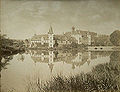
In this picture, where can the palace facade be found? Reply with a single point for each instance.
(82, 37)
(49, 40)
(45, 40)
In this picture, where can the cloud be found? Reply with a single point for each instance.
(29, 17)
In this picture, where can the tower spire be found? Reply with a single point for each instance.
(50, 35)
(50, 30)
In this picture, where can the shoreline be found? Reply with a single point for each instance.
(94, 48)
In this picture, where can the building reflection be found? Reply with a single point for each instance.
(76, 59)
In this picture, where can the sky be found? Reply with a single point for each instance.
(21, 19)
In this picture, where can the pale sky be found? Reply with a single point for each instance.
(22, 19)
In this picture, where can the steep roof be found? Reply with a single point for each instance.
(80, 32)
(50, 30)
(64, 38)
(38, 37)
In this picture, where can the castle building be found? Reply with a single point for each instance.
(83, 37)
(45, 40)
(51, 40)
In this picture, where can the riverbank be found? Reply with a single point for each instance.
(81, 48)
(103, 48)
(63, 48)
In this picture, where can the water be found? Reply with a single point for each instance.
(24, 67)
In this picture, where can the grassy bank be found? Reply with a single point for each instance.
(78, 83)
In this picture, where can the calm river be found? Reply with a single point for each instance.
(24, 67)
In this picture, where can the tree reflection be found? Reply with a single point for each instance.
(5, 61)
(21, 57)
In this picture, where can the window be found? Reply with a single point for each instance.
(50, 37)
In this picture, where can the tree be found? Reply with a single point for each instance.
(102, 40)
(115, 38)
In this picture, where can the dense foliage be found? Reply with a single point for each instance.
(102, 40)
(115, 38)
(10, 45)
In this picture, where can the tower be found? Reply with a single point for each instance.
(89, 38)
(50, 37)
(80, 39)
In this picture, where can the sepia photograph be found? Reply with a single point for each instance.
(59, 45)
